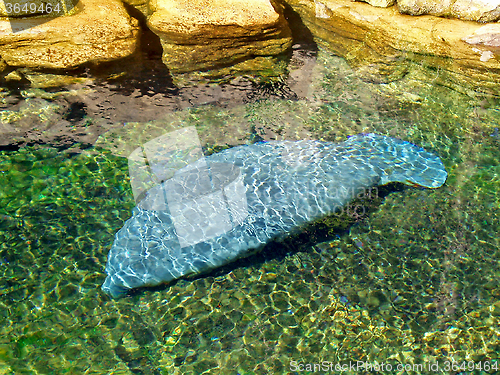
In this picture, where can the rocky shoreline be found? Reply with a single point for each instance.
(224, 37)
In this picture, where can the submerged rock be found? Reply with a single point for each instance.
(99, 31)
(201, 35)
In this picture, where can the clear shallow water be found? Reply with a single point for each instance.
(413, 280)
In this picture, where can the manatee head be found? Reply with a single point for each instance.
(402, 161)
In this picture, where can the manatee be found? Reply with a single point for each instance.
(230, 204)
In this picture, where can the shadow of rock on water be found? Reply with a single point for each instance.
(92, 103)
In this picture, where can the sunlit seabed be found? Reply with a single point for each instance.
(416, 280)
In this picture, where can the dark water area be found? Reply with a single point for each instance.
(404, 276)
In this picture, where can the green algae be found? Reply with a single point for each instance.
(414, 279)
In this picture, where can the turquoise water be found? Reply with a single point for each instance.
(413, 279)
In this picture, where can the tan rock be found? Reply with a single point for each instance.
(101, 30)
(472, 10)
(488, 36)
(203, 34)
(381, 42)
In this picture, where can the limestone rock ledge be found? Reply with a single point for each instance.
(203, 34)
(472, 10)
(100, 30)
(378, 42)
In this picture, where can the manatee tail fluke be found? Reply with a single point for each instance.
(403, 161)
